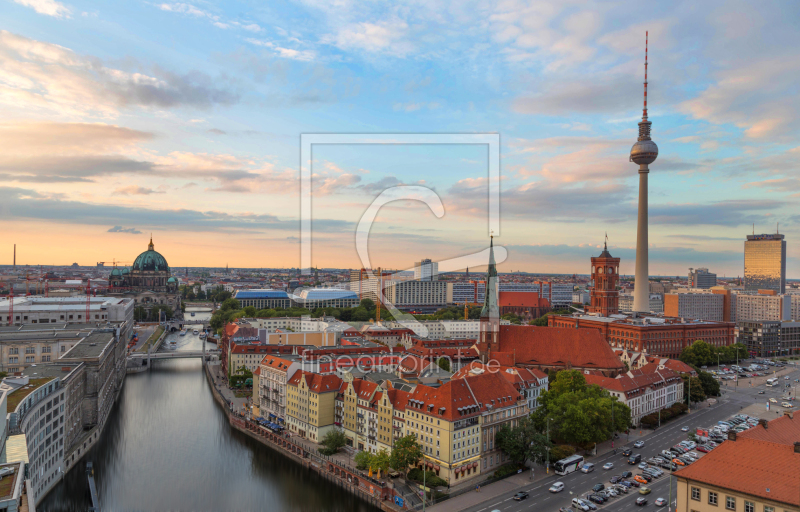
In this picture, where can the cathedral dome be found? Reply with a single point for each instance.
(150, 261)
(116, 272)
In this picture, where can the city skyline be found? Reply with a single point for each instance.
(190, 130)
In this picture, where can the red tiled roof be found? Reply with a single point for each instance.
(464, 398)
(783, 430)
(765, 469)
(316, 382)
(557, 346)
(258, 371)
(634, 381)
(399, 398)
(522, 300)
(520, 378)
(276, 362)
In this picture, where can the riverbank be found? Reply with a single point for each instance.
(376, 493)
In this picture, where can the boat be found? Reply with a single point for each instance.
(183, 332)
(173, 344)
(192, 313)
(195, 332)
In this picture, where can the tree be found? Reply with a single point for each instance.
(444, 364)
(367, 304)
(380, 462)
(709, 384)
(333, 441)
(360, 314)
(580, 414)
(406, 452)
(698, 354)
(523, 442)
(513, 318)
(228, 304)
(697, 394)
(249, 311)
(561, 451)
(363, 459)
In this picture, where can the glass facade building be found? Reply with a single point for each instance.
(765, 263)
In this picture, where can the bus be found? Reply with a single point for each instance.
(568, 465)
(772, 382)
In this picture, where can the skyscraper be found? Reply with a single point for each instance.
(643, 153)
(765, 263)
(701, 278)
(426, 270)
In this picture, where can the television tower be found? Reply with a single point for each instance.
(643, 153)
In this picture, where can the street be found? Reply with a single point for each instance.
(578, 484)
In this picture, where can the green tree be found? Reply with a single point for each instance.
(230, 304)
(513, 318)
(523, 442)
(709, 384)
(444, 364)
(249, 311)
(380, 462)
(367, 304)
(360, 314)
(697, 394)
(698, 354)
(333, 441)
(406, 452)
(363, 459)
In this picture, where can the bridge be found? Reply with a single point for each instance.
(177, 354)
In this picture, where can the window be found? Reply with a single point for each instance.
(730, 502)
(749, 506)
(769, 509)
(696, 493)
(712, 498)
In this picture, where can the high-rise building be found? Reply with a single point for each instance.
(767, 305)
(701, 278)
(643, 153)
(426, 270)
(605, 275)
(765, 263)
(696, 306)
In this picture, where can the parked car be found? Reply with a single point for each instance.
(597, 498)
(614, 479)
(626, 474)
(633, 482)
(703, 449)
(640, 479)
(647, 477)
(626, 483)
(589, 504)
(580, 505)
(598, 487)
(557, 487)
(640, 501)
(622, 489)
(522, 495)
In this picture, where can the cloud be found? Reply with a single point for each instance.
(44, 76)
(136, 190)
(216, 20)
(46, 7)
(731, 213)
(285, 53)
(19, 203)
(381, 37)
(217, 131)
(120, 229)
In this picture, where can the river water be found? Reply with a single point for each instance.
(168, 446)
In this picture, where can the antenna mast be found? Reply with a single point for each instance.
(644, 112)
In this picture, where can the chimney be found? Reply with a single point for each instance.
(731, 436)
(763, 423)
(797, 447)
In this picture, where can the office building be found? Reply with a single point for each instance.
(469, 292)
(411, 294)
(656, 304)
(263, 299)
(697, 306)
(365, 282)
(769, 338)
(701, 278)
(765, 263)
(766, 305)
(426, 270)
(65, 310)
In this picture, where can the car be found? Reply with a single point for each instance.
(660, 502)
(598, 487)
(614, 479)
(773, 400)
(633, 483)
(634, 459)
(640, 501)
(652, 472)
(786, 378)
(587, 468)
(627, 452)
(580, 505)
(608, 465)
(640, 479)
(685, 429)
(626, 474)
(644, 464)
(761, 392)
(703, 449)
(520, 496)
(609, 492)
(622, 489)
(589, 504)
(689, 445)
(646, 477)
(644, 490)
(597, 498)
(626, 483)
(786, 404)
(557, 487)
(638, 444)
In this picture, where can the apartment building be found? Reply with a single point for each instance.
(426, 270)
(408, 294)
(764, 305)
(529, 382)
(275, 373)
(656, 303)
(769, 338)
(754, 471)
(689, 304)
(310, 404)
(646, 390)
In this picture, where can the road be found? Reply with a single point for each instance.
(579, 484)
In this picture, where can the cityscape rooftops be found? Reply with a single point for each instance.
(91, 346)
(260, 294)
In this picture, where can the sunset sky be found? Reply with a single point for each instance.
(119, 119)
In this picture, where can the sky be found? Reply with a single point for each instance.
(122, 119)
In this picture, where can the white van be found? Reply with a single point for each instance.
(587, 468)
(580, 505)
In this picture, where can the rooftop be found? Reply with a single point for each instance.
(8, 483)
(91, 346)
(17, 396)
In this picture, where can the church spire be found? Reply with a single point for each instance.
(490, 308)
(150, 246)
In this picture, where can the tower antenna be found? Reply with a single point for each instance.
(644, 112)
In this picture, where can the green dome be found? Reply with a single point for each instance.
(125, 271)
(116, 272)
(172, 280)
(150, 261)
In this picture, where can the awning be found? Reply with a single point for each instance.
(474, 464)
(436, 468)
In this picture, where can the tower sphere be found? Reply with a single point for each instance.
(644, 152)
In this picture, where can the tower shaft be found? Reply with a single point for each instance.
(641, 287)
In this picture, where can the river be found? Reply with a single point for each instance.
(168, 446)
